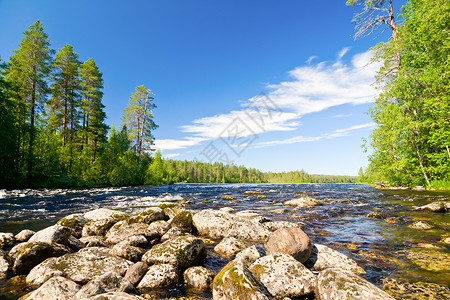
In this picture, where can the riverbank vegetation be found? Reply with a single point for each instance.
(412, 139)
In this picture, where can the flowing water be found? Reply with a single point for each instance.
(387, 246)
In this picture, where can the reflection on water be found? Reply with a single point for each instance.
(386, 247)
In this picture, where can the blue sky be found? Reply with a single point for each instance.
(274, 85)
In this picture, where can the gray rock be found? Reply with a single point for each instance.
(249, 255)
(31, 254)
(336, 283)
(323, 257)
(227, 209)
(147, 216)
(229, 246)
(4, 264)
(53, 234)
(283, 275)
(172, 233)
(183, 251)
(137, 241)
(292, 241)
(158, 276)
(116, 296)
(6, 240)
(136, 272)
(437, 206)
(125, 250)
(80, 267)
(98, 228)
(103, 213)
(93, 241)
(198, 277)
(161, 227)
(251, 214)
(74, 222)
(56, 288)
(108, 282)
(74, 243)
(218, 224)
(235, 281)
(303, 202)
(24, 235)
(123, 230)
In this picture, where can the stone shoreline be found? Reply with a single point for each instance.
(107, 254)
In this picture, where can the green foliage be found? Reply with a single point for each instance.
(413, 135)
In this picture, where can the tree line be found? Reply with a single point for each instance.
(411, 142)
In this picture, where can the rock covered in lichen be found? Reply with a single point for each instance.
(323, 257)
(283, 276)
(437, 206)
(157, 276)
(292, 241)
(6, 240)
(108, 282)
(235, 281)
(55, 288)
(93, 241)
(147, 216)
(249, 255)
(80, 267)
(275, 225)
(123, 230)
(103, 213)
(183, 221)
(218, 224)
(53, 234)
(334, 283)
(182, 251)
(24, 235)
(229, 246)
(136, 272)
(4, 264)
(198, 277)
(116, 296)
(74, 222)
(127, 251)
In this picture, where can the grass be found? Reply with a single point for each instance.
(443, 184)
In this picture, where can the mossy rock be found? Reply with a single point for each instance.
(147, 216)
(183, 220)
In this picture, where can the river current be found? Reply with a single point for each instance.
(388, 247)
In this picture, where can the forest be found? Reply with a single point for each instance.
(410, 146)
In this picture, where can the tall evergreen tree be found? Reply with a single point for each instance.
(28, 73)
(138, 117)
(65, 101)
(92, 110)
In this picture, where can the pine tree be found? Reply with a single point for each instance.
(28, 73)
(138, 117)
(92, 110)
(64, 104)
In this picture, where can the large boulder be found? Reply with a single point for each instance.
(123, 230)
(6, 240)
(80, 267)
(184, 222)
(103, 213)
(334, 283)
(303, 202)
(158, 276)
(235, 281)
(229, 246)
(29, 254)
(218, 224)
(249, 255)
(161, 227)
(53, 234)
(74, 222)
(55, 288)
(437, 206)
(99, 221)
(182, 251)
(147, 216)
(323, 257)
(283, 276)
(24, 235)
(108, 282)
(292, 241)
(127, 251)
(198, 277)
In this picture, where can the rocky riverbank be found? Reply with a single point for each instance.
(108, 254)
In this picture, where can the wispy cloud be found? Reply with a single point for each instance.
(342, 116)
(303, 139)
(310, 89)
(171, 155)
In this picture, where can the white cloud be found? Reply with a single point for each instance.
(310, 89)
(303, 139)
(342, 116)
(171, 155)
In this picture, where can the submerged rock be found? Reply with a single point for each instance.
(283, 276)
(323, 257)
(158, 276)
(56, 288)
(421, 225)
(336, 283)
(218, 224)
(401, 289)
(80, 267)
(198, 277)
(303, 202)
(183, 251)
(235, 281)
(292, 241)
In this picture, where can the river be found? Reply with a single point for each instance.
(387, 247)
